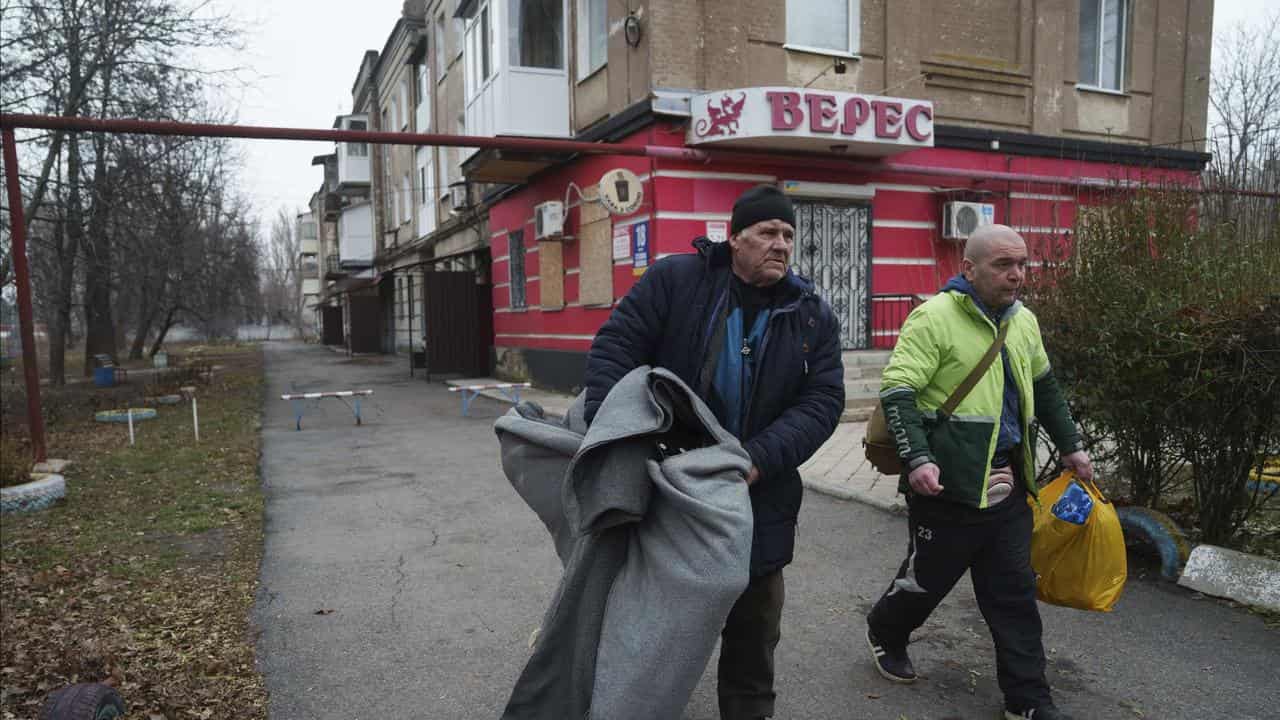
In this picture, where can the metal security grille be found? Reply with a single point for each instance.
(833, 249)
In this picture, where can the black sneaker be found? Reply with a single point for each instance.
(1044, 712)
(892, 663)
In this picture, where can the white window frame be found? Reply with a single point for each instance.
(358, 149)
(585, 68)
(852, 49)
(427, 208)
(1093, 84)
(425, 88)
(405, 101)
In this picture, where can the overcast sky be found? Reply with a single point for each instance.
(301, 58)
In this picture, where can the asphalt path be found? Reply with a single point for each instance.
(403, 577)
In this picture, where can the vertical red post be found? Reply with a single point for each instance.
(22, 273)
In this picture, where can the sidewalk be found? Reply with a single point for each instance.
(838, 469)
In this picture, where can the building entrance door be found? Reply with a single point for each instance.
(833, 249)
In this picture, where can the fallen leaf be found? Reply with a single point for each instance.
(325, 611)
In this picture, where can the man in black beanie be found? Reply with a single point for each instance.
(763, 350)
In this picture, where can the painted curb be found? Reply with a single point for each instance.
(894, 506)
(1235, 575)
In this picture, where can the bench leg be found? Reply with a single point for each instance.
(358, 410)
(467, 397)
(297, 412)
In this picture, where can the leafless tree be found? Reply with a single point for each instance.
(282, 273)
(1244, 132)
(92, 57)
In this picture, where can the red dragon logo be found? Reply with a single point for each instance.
(722, 116)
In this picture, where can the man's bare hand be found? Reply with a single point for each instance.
(1079, 463)
(924, 479)
(753, 476)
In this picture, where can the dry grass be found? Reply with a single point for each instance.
(145, 575)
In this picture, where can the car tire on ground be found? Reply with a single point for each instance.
(85, 701)
(122, 416)
(34, 495)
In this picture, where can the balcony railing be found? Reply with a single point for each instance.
(333, 267)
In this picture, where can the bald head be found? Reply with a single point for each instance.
(995, 263)
(987, 238)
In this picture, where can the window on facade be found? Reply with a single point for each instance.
(395, 113)
(593, 35)
(486, 39)
(424, 94)
(535, 33)
(515, 245)
(1103, 29)
(358, 149)
(406, 195)
(404, 100)
(308, 230)
(824, 25)
(441, 64)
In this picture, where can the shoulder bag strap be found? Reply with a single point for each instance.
(971, 380)
(707, 375)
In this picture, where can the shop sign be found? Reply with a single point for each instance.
(814, 120)
(639, 247)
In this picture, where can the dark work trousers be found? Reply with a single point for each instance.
(994, 545)
(751, 633)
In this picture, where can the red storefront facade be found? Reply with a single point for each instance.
(869, 234)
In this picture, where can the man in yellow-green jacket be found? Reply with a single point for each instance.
(968, 473)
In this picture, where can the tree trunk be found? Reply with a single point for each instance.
(164, 330)
(100, 328)
(146, 318)
(73, 231)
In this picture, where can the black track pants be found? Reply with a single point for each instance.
(995, 546)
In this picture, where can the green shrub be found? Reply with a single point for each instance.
(1164, 326)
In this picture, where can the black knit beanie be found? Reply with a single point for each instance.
(760, 203)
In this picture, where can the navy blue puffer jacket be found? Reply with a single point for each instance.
(667, 319)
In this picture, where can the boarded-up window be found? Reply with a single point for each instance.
(515, 242)
(595, 253)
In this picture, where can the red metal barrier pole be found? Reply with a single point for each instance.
(22, 273)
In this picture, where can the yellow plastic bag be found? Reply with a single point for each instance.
(1077, 546)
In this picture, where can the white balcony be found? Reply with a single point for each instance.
(355, 236)
(517, 80)
(353, 157)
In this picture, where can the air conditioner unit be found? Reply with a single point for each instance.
(960, 219)
(548, 220)
(459, 199)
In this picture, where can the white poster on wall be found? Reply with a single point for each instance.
(621, 243)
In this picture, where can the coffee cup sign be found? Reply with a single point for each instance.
(621, 192)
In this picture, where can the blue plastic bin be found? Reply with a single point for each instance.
(104, 376)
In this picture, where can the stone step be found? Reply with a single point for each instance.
(856, 414)
(857, 401)
(862, 372)
(866, 358)
(862, 388)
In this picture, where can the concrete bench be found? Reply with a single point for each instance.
(511, 391)
(298, 401)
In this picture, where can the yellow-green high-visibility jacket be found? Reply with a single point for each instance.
(941, 341)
